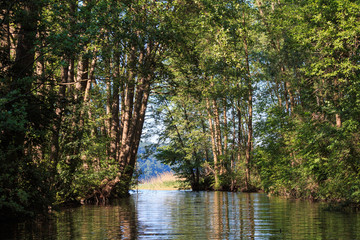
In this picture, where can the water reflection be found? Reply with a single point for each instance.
(117, 221)
(193, 215)
(99, 222)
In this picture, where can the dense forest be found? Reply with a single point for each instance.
(246, 95)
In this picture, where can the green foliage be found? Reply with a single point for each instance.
(23, 181)
(310, 151)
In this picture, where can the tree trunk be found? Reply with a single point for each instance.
(337, 96)
(128, 110)
(136, 99)
(250, 112)
(114, 130)
(217, 128)
(5, 36)
(90, 79)
(54, 150)
(213, 145)
(249, 141)
(130, 144)
(21, 74)
(225, 161)
(108, 99)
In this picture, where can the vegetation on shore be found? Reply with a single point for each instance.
(163, 181)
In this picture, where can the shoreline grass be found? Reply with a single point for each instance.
(164, 181)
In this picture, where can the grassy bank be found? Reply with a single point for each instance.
(164, 181)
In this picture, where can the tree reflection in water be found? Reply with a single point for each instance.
(115, 221)
(193, 215)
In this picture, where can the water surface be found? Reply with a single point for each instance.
(188, 215)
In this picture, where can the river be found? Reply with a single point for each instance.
(189, 215)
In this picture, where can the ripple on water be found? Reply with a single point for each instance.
(193, 215)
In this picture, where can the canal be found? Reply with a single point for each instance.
(189, 215)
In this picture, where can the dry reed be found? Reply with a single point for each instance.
(163, 181)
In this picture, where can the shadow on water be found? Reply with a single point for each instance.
(115, 221)
(193, 215)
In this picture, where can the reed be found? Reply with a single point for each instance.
(164, 181)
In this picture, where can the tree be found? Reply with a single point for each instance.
(25, 115)
(320, 37)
